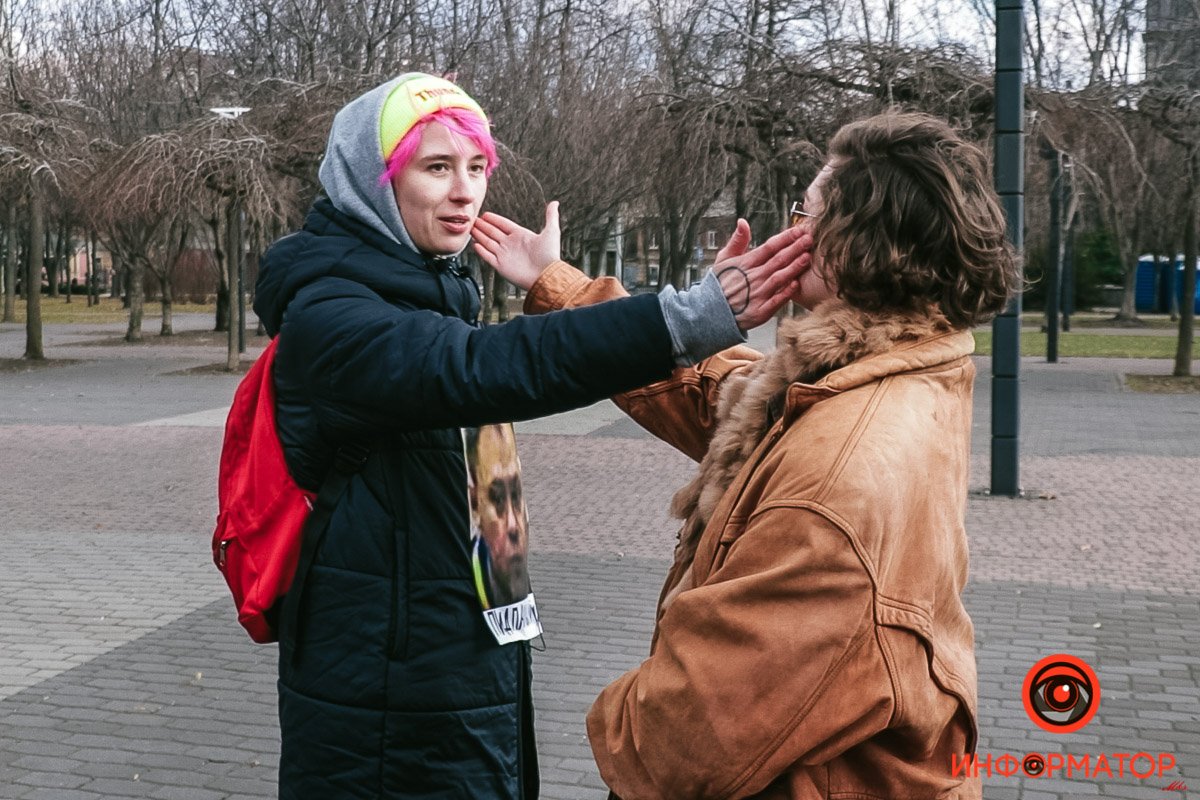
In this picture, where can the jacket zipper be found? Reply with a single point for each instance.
(522, 691)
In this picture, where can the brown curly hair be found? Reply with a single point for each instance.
(910, 220)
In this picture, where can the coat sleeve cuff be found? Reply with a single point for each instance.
(555, 288)
(699, 320)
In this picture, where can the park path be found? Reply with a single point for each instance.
(123, 674)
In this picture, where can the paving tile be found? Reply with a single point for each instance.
(119, 655)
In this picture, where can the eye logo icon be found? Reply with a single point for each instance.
(1061, 693)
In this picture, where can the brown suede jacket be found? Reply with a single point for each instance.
(811, 638)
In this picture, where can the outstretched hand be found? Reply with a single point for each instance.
(758, 282)
(517, 253)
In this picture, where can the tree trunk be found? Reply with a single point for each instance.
(682, 236)
(664, 260)
(222, 317)
(669, 246)
(487, 281)
(741, 205)
(1172, 295)
(10, 267)
(33, 274)
(1053, 275)
(51, 265)
(6, 240)
(168, 294)
(118, 278)
(602, 255)
(233, 248)
(89, 269)
(221, 323)
(500, 297)
(618, 226)
(135, 292)
(127, 272)
(62, 256)
(1187, 306)
(239, 260)
(1128, 311)
(94, 262)
(643, 258)
(1126, 237)
(585, 263)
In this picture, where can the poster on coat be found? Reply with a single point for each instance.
(499, 533)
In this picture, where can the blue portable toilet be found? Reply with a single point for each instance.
(1166, 285)
(1177, 286)
(1157, 285)
(1145, 290)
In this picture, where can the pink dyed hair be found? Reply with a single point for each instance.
(458, 121)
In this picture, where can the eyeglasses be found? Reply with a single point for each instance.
(798, 213)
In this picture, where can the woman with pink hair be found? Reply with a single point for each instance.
(403, 671)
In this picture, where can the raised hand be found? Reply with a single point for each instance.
(738, 242)
(517, 253)
(758, 282)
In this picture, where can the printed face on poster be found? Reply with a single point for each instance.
(499, 532)
(499, 523)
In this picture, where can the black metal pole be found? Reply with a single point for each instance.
(1010, 185)
(241, 292)
(1068, 287)
(231, 276)
(1054, 262)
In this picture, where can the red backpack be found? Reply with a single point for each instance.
(262, 512)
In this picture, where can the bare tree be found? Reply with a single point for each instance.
(1108, 30)
(11, 241)
(1111, 146)
(635, 116)
(1172, 105)
(39, 146)
(150, 201)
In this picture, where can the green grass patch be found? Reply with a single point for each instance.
(1091, 319)
(1163, 384)
(1087, 345)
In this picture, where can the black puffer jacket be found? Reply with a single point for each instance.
(398, 689)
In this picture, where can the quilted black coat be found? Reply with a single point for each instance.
(396, 688)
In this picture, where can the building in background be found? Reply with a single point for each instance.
(1172, 41)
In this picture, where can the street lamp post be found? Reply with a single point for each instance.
(1054, 256)
(1010, 185)
(235, 271)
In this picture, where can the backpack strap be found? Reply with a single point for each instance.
(349, 461)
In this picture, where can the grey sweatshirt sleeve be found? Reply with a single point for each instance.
(700, 321)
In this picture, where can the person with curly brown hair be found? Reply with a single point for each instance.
(811, 639)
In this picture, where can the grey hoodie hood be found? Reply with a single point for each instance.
(353, 162)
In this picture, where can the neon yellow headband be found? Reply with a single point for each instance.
(416, 98)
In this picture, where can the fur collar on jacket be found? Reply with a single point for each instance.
(808, 349)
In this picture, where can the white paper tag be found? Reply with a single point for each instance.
(514, 623)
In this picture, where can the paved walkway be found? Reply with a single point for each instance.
(123, 675)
